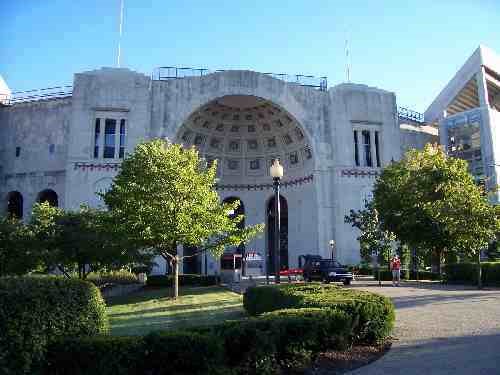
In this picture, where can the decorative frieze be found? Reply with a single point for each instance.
(97, 167)
(285, 185)
(354, 172)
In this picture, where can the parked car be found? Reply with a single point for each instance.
(326, 270)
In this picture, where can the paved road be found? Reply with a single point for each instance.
(440, 330)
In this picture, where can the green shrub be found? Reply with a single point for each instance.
(275, 341)
(112, 277)
(425, 275)
(156, 354)
(36, 310)
(466, 273)
(182, 353)
(184, 280)
(360, 269)
(95, 355)
(373, 315)
(385, 275)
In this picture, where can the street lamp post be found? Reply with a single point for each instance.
(332, 246)
(276, 172)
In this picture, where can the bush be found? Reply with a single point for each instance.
(113, 277)
(373, 315)
(277, 340)
(36, 310)
(425, 275)
(361, 270)
(184, 280)
(466, 273)
(155, 354)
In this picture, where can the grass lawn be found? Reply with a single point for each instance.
(153, 309)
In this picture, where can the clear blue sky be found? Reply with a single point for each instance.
(410, 47)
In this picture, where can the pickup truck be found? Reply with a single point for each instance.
(326, 270)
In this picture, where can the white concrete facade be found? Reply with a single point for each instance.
(232, 116)
(468, 114)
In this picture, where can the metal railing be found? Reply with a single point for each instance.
(408, 114)
(164, 73)
(36, 95)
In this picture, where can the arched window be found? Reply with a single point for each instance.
(15, 204)
(49, 196)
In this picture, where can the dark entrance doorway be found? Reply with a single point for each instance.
(283, 233)
(192, 264)
(49, 196)
(239, 211)
(15, 205)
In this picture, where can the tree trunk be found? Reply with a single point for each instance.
(479, 271)
(176, 277)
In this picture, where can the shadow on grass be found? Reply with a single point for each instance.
(164, 294)
(140, 325)
(180, 307)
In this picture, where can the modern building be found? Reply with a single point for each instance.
(467, 112)
(65, 144)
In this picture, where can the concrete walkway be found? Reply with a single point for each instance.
(440, 329)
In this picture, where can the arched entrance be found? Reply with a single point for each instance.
(244, 134)
(15, 204)
(271, 221)
(239, 211)
(49, 196)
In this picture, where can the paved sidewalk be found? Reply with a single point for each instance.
(440, 329)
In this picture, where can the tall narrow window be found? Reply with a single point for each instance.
(122, 139)
(356, 152)
(109, 138)
(97, 137)
(377, 151)
(18, 151)
(367, 148)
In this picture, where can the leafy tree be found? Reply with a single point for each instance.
(372, 237)
(430, 201)
(15, 255)
(44, 230)
(164, 196)
(78, 241)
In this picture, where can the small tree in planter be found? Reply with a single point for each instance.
(165, 196)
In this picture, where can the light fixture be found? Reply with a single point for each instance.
(276, 169)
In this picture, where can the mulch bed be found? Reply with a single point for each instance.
(340, 362)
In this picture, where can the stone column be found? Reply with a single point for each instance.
(482, 88)
(373, 149)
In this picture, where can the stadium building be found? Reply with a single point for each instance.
(64, 144)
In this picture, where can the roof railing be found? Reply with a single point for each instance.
(164, 73)
(36, 95)
(409, 114)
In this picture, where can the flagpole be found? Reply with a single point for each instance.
(121, 28)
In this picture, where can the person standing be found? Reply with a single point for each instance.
(396, 270)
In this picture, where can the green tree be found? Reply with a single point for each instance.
(430, 201)
(164, 196)
(15, 255)
(372, 237)
(78, 241)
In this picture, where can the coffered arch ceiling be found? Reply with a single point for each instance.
(245, 133)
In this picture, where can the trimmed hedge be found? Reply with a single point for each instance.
(373, 315)
(184, 280)
(113, 277)
(37, 310)
(155, 354)
(275, 341)
(466, 273)
(425, 275)
(386, 275)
